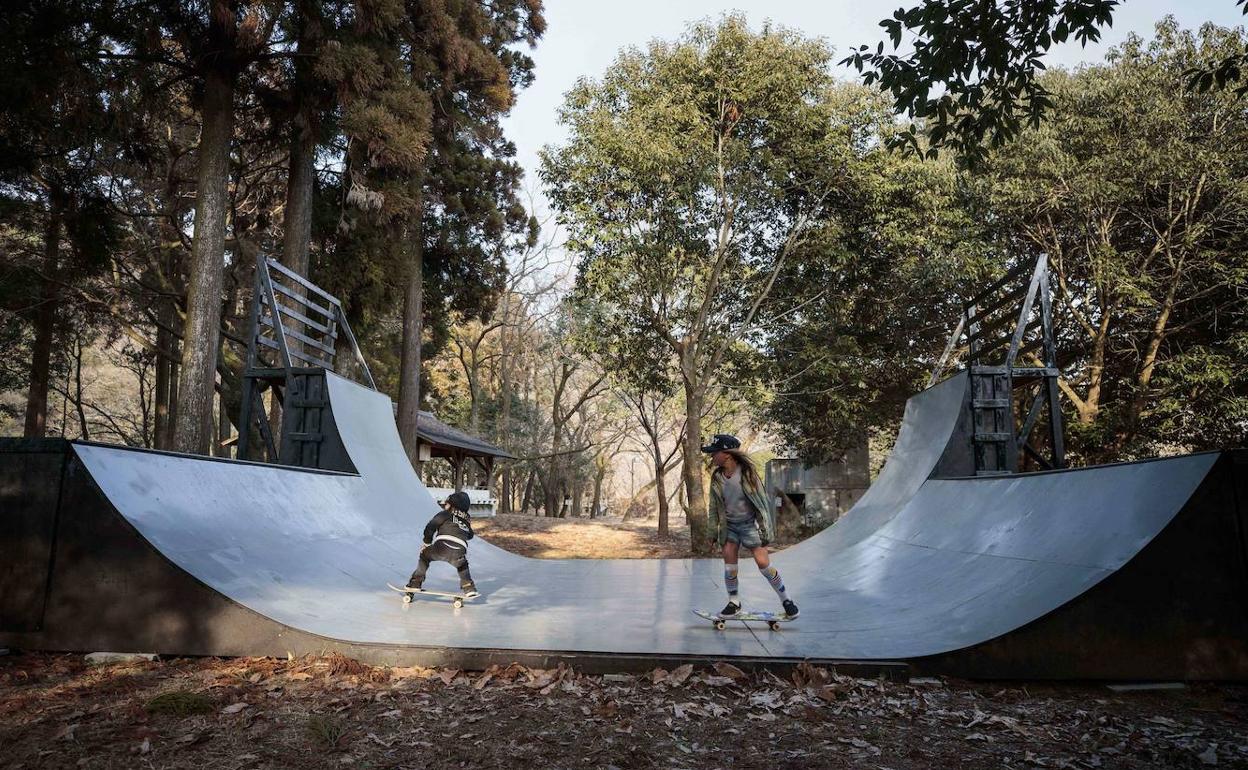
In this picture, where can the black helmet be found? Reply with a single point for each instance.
(721, 442)
(459, 501)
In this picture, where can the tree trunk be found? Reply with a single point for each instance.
(84, 432)
(503, 428)
(297, 224)
(165, 395)
(504, 491)
(45, 327)
(660, 486)
(1149, 363)
(220, 448)
(578, 499)
(1096, 372)
(554, 493)
(692, 473)
(598, 479)
(554, 476)
(175, 373)
(528, 493)
(193, 425)
(164, 367)
(409, 375)
(297, 221)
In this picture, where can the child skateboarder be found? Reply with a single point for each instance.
(743, 518)
(446, 539)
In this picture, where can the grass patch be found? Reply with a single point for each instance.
(327, 731)
(179, 703)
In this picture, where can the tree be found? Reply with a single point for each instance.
(972, 77)
(866, 316)
(1136, 188)
(695, 173)
(462, 55)
(54, 123)
(216, 48)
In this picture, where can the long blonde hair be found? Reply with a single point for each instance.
(749, 473)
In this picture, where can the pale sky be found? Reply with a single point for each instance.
(583, 37)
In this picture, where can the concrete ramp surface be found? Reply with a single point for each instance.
(1123, 571)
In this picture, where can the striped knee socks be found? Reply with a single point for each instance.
(773, 576)
(730, 580)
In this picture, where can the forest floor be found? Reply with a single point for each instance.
(607, 537)
(58, 711)
(575, 538)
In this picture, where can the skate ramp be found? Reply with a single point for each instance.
(244, 558)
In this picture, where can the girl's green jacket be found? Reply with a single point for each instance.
(763, 514)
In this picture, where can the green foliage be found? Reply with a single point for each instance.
(973, 78)
(443, 176)
(179, 703)
(693, 171)
(1228, 70)
(326, 731)
(1137, 188)
(872, 312)
(981, 60)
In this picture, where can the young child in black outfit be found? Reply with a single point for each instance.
(446, 539)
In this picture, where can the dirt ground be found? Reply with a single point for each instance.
(58, 711)
(601, 538)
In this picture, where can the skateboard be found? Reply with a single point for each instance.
(772, 620)
(458, 602)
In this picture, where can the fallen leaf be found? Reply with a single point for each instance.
(541, 679)
(234, 708)
(448, 675)
(1210, 755)
(729, 670)
(680, 674)
(192, 739)
(833, 692)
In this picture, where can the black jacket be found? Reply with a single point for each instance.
(449, 523)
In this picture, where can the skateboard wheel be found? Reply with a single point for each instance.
(407, 598)
(719, 624)
(774, 626)
(458, 603)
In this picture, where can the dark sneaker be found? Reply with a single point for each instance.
(790, 608)
(730, 609)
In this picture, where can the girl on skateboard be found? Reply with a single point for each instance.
(743, 518)
(446, 539)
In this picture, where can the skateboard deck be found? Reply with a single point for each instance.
(408, 593)
(772, 620)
